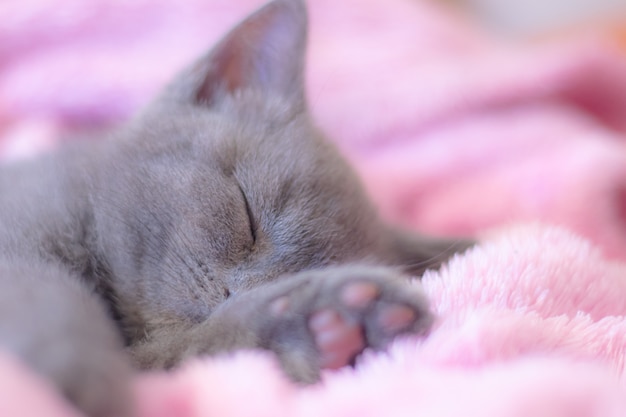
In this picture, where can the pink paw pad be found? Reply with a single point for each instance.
(395, 318)
(338, 340)
(359, 294)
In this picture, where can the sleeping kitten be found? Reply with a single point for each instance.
(218, 219)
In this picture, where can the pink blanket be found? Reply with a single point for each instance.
(453, 132)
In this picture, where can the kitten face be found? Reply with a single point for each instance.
(219, 210)
(224, 184)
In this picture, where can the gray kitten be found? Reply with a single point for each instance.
(218, 219)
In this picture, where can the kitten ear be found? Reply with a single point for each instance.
(416, 253)
(265, 52)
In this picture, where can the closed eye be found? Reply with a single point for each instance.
(251, 222)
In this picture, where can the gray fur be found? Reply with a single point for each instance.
(174, 235)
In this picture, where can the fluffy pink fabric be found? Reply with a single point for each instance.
(531, 323)
(452, 132)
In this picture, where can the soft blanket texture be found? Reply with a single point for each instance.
(453, 133)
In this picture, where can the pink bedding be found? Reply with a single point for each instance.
(453, 132)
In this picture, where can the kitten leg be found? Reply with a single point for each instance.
(312, 320)
(54, 324)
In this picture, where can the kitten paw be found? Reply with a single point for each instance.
(337, 340)
(349, 312)
(312, 320)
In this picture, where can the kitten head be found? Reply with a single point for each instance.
(223, 183)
